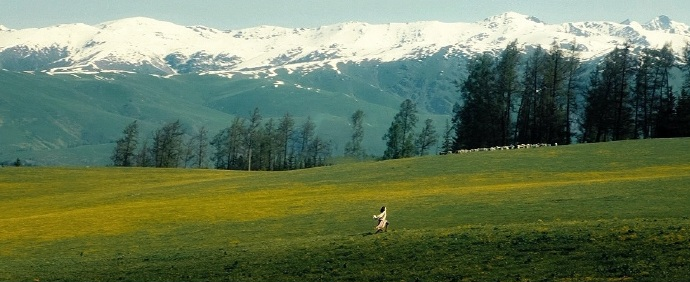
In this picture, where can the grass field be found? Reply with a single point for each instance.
(616, 211)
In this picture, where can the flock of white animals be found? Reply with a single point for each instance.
(499, 148)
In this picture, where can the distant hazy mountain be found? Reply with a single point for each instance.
(68, 90)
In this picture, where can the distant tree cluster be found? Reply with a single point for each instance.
(627, 97)
(273, 145)
(247, 144)
(401, 139)
(632, 97)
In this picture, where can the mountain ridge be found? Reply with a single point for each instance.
(146, 45)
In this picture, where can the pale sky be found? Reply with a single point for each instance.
(236, 14)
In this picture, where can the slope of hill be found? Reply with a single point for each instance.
(594, 212)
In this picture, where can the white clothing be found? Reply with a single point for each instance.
(382, 220)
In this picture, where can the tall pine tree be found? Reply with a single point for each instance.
(125, 147)
(400, 136)
(479, 119)
(353, 148)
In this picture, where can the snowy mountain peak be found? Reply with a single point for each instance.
(665, 24)
(137, 23)
(512, 18)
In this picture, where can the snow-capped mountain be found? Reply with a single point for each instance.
(146, 45)
(666, 25)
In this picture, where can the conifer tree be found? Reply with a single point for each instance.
(168, 145)
(608, 113)
(447, 145)
(427, 138)
(506, 88)
(353, 148)
(528, 128)
(400, 136)
(479, 119)
(125, 147)
(251, 136)
(305, 138)
(201, 147)
(285, 131)
(683, 107)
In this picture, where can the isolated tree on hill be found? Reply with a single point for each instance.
(427, 138)
(400, 136)
(353, 148)
(125, 147)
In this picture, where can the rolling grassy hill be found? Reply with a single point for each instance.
(590, 212)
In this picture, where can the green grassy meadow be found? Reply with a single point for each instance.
(615, 211)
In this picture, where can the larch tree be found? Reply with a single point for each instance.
(400, 136)
(506, 87)
(168, 145)
(201, 147)
(427, 138)
(479, 119)
(125, 148)
(447, 145)
(353, 148)
(305, 137)
(251, 136)
(286, 127)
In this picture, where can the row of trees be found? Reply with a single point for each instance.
(632, 97)
(501, 108)
(627, 97)
(247, 144)
(506, 100)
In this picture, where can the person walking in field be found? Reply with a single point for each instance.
(383, 223)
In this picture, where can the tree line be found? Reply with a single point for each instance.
(512, 98)
(509, 100)
(247, 144)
